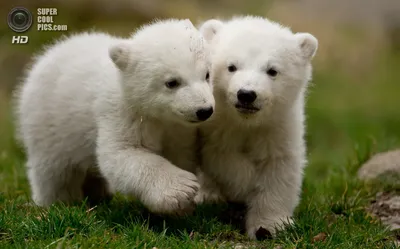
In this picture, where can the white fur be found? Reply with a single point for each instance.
(257, 157)
(93, 97)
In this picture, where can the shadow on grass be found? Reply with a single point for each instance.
(124, 213)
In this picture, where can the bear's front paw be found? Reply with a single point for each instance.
(267, 228)
(173, 194)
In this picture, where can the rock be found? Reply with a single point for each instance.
(239, 246)
(380, 164)
(386, 206)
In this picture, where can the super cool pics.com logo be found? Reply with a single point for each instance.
(20, 20)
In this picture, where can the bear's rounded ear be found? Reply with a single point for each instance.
(120, 55)
(308, 44)
(210, 28)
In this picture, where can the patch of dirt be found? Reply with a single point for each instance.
(387, 208)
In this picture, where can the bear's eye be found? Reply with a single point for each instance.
(232, 68)
(207, 76)
(272, 72)
(172, 83)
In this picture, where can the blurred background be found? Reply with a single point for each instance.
(353, 103)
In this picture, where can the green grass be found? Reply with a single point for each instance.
(348, 121)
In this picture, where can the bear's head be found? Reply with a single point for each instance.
(165, 72)
(258, 66)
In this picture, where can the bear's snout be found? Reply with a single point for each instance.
(246, 101)
(246, 96)
(204, 113)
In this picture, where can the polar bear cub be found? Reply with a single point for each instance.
(253, 146)
(97, 107)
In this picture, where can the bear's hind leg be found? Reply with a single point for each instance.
(55, 181)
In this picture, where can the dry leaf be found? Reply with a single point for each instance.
(89, 210)
(319, 237)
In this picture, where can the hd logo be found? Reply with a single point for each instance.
(19, 20)
(20, 39)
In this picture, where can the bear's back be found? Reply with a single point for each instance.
(56, 99)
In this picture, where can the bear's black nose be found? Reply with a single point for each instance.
(204, 114)
(246, 96)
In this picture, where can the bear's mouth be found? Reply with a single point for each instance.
(246, 109)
